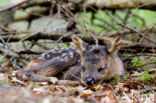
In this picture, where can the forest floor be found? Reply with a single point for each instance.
(39, 19)
(131, 88)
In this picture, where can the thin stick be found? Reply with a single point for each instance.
(154, 42)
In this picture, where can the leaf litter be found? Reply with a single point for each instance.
(124, 90)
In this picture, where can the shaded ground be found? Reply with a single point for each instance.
(128, 90)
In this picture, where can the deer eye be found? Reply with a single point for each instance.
(102, 68)
(83, 68)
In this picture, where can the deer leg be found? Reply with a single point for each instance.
(53, 80)
(48, 67)
(37, 78)
(69, 82)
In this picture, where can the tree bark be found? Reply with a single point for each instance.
(122, 4)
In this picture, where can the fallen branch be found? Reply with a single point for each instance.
(121, 4)
(126, 45)
(87, 38)
(139, 48)
(127, 31)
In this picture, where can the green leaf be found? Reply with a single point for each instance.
(67, 46)
(147, 94)
(64, 72)
(116, 79)
(146, 77)
(137, 63)
(73, 89)
(126, 76)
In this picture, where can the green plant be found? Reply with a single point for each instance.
(147, 94)
(67, 46)
(65, 72)
(146, 77)
(116, 79)
(126, 76)
(137, 62)
(72, 89)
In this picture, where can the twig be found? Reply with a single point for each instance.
(106, 25)
(145, 34)
(154, 42)
(127, 16)
(28, 52)
(87, 28)
(144, 48)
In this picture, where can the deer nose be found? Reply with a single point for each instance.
(90, 81)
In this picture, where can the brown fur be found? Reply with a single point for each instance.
(48, 71)
(89, 64)
(33, 63)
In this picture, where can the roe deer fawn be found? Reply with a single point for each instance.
(92, 64)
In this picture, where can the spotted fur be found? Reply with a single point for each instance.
(89, 64)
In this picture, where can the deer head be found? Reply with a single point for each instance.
(96, 61)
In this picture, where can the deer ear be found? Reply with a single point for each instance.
(114, 46)
(79, 44)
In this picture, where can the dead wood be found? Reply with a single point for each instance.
(127, 46)
(87, 38)
(121, 4)
(139, 48)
